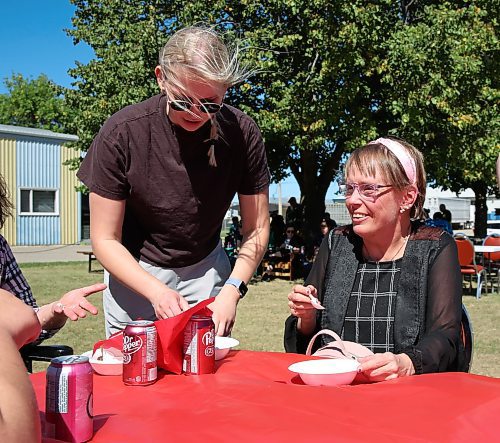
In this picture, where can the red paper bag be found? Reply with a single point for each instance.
(170, 337)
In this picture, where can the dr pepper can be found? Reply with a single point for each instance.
(199, 346)
(139, 353)
(68, 400)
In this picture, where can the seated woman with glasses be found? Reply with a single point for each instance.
(162, 174)
(387, 281)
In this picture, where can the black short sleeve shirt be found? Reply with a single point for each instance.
(175, 201)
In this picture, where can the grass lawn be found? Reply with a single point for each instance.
(260, 320)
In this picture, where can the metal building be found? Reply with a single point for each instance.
(47, 208)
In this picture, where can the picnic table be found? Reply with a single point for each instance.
(91, 258)
(253, 397)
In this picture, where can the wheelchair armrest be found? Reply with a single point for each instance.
(30, 353)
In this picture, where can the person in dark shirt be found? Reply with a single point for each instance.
(294, 214)
(162, 174)
(277, 234)
(439, 222)
(446, 213)
(386, 281)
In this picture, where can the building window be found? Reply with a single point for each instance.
(38, 201)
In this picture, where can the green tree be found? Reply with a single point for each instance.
(326, 82)
(37, 103)
(316, 93)
(443, 74)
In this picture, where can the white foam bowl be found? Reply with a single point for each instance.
(326, 372)
(223, 345)
(111, 364)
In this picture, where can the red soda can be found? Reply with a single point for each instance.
(68, 399)
(199, 346)
(139, 353)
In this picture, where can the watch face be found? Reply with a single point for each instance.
(243, 289)
(238, 284)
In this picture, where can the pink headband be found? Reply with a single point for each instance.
(402, 155)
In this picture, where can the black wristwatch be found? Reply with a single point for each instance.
(238, 284)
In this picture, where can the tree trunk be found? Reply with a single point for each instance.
(481, 215)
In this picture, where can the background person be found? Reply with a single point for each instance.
(439, 222)
(294, 214)
(326, 225)
(162, 174)
(330, 221)
(386, 282)
(446, 213)
(52, 316)
(19, 416)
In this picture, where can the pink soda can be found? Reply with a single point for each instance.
(140, 353)
(199, 346)
(68, 399)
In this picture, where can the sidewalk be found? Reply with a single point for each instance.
(50, 253)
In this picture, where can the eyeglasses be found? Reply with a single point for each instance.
(204, 106)
(368, 191)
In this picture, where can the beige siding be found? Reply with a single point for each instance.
(68, 199)
(8, 171)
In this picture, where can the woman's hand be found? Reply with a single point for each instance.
(386, 366)
(301, 306)
(74, 304)
(224, 309)
(299, 301)
(168, 303)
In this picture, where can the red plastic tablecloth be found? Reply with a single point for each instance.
(253, 397)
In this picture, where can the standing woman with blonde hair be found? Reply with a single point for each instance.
(386, 281)
(162, 174)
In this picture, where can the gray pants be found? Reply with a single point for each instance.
(195, 283)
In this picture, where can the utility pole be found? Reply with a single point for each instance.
(280, 206)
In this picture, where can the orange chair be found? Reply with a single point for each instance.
(467, 260)
(492, 259)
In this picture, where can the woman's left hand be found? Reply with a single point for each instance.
(74, 304)
(224, 310)
(386, 366)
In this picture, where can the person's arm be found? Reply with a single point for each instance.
(53, 316)
(303, 321)
(106, 221)
(437, 349)
(72, 305)
(255, 231)
(19, 418)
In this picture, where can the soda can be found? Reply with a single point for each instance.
(199, 346)
(139, 353)
(68, 399)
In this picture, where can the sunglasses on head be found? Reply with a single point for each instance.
(204, 106)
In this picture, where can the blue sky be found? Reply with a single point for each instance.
(33, 42)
